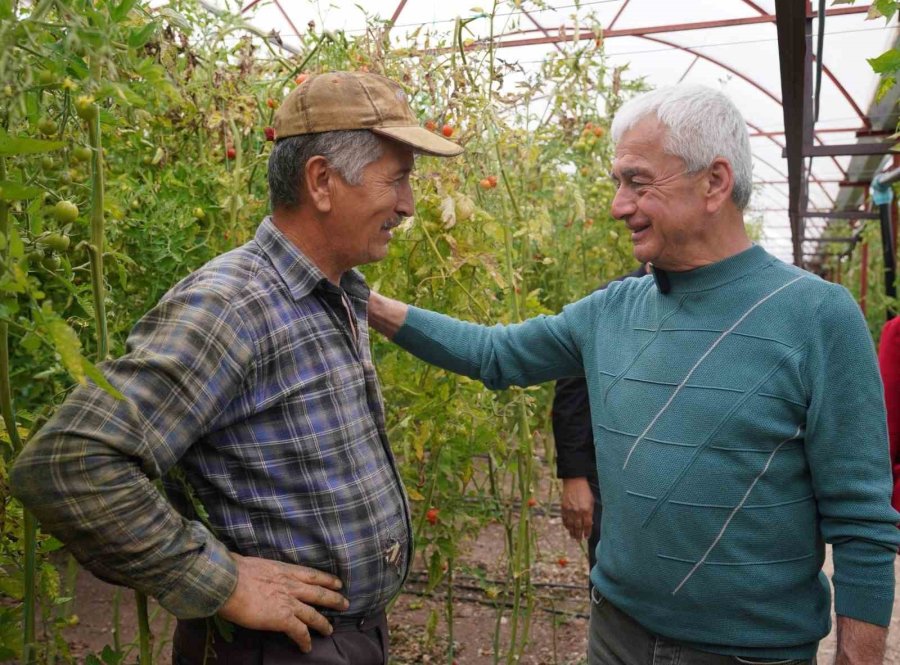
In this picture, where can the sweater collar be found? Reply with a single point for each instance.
(713, 275)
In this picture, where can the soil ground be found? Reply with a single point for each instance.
(555, 639)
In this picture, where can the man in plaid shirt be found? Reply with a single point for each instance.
(254, 376)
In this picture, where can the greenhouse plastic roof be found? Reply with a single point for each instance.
(728, 44)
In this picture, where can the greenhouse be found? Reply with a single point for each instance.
(245, 415)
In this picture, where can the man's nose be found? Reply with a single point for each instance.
(622, 203)
(406, 205)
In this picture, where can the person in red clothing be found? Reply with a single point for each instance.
(889, 362)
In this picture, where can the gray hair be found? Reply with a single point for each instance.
(702, 124)
(348, 152)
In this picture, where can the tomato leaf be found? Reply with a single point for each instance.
(95, 375)
(886, 63)
(16, 191)
(23, 145)
(140, 36)
(67, 345)
(121, 10)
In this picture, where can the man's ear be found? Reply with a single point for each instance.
(318, 176)
(720, 184)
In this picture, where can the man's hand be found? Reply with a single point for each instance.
(276, 596)
(859, 642)
(577, 503)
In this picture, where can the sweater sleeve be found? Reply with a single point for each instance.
(522, 354)
(847, 450)
(89, 474)
(889, 364)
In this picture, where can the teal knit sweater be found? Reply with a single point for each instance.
(739, 424)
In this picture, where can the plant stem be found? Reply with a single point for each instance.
(28, 654)
(117, 623)
(449, 609)
(6, 403)
(9, 420)
(97, 233)
(143, 629)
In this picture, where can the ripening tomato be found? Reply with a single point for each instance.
(271, 103)
(532, 502)
(46, 126)
(430, 125)
(493, 180)
(447, 130)
(85, 107)
(65, 212)
(562, 562)
(484, 183)
(301, 78)
(56, 241)
(81, 153)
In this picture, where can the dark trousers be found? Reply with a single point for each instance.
(353, 642)
(617, 639)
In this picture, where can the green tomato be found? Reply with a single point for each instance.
(46, 77)
(55, 241)
(65, 212)
(85, 107)
(46, 126)
(199, 213)
(52, 261)
(82, 153)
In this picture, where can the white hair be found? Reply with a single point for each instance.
(702, 124)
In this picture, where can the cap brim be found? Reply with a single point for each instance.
(422, 140)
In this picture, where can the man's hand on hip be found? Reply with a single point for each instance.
(577, 503)
(276, 596)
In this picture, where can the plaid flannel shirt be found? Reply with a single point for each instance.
(248, 377)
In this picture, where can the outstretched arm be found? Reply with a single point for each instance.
(386, 315)
(521, 354)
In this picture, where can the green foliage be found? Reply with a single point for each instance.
(175, 88)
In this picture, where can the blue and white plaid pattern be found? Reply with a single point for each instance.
(245, 375)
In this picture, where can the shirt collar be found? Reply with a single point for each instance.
(300, 275)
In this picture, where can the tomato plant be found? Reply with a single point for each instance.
(131, 154)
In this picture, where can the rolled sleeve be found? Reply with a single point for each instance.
(90, 474)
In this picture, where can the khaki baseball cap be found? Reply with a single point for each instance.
(356, 100)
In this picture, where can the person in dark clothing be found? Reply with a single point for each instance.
(575, 460)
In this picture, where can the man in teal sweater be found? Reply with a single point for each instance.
(737, 411)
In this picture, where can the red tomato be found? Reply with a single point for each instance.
(432, 516)
(231, 153)
(270, 133)
(447, 130)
